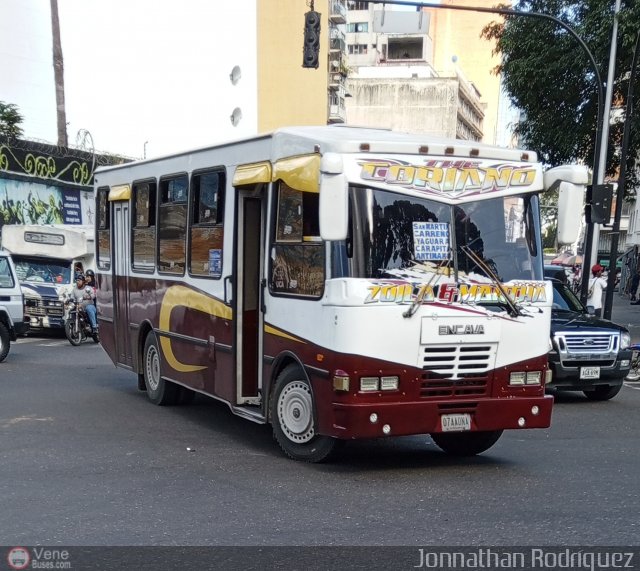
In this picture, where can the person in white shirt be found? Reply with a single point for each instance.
(597, 284)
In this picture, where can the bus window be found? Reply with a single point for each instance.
(104, 229)
(298, 255)
(172, 224)
(144, 226)
(206, 229)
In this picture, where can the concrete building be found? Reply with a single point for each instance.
(457, 45)
(287, 93)
(392, 82)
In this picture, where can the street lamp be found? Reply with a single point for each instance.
(615, 231)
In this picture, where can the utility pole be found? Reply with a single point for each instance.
(592, 234)
(58, 73)
(622, 179)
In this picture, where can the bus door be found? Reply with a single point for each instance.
(250, 222)
(120, 264)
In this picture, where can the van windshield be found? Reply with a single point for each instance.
(390, 235)
(47, 271)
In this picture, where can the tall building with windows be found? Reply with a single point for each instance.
(457, 45)
(287, 93)
(392, 80)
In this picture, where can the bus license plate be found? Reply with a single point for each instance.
(589, 372)
(455, 422)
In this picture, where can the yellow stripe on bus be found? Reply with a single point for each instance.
(180, 296)
(279, 333)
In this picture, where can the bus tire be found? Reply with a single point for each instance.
(466, 443)
(293, 419)
(5, 341)
(159, 390)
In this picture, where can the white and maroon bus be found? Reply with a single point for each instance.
(336, 282)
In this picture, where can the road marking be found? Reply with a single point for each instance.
(11, 421)
(42, 342)
(633, 385)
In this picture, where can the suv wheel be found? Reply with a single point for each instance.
(603, 392)
(5, 342)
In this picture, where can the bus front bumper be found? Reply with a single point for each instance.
(352, 421)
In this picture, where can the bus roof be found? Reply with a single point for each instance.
(291, 141)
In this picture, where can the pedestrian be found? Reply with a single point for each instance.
(597, 284)
(633, 287)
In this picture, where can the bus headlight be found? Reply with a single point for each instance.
(533, 377)
(369, 384)
(517, 378)
(389, 383)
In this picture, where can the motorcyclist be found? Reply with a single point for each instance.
(90, 280)
(84, 296)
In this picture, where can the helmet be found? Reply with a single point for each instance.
(596, 268)
(90, 273)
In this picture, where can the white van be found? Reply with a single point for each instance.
(12, 318)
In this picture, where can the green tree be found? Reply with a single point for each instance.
(549, 78)
(10, 120)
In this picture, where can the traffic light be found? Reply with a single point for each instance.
(599, 198)
(311, 48)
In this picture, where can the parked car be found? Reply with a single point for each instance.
(12, 318)
(588, 354)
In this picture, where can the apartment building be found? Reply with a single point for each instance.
(287, 93)
(393, 82)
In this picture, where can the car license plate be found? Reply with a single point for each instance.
(589, 372)
(455, 422)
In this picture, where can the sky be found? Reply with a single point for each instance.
(141, 76)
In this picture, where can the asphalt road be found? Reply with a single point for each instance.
(85, 459)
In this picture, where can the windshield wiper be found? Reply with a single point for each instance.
(418, 300)
(512, 307)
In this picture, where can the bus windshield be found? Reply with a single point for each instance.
(49, 271)
(391, 235)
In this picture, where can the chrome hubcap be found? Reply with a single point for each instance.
(295, 412)
(152, 366)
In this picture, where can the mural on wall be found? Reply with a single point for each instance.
(33, 203)
(46, 184)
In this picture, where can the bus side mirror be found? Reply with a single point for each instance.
(571, 181)
(334, 198)
(570, 209)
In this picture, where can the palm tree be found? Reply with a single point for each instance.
(58, 70)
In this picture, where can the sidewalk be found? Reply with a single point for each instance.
(626, 315)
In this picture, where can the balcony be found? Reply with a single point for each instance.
(337, 41)
(337, 113)
(337, 12)
(336, 81)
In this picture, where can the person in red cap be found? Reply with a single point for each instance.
(597, 284)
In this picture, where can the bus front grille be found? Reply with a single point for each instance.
(456, 371)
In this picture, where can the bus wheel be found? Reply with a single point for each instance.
(159, 391)
(5, 342)
(466, 443)
(292, 418)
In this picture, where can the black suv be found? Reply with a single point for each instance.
(588, 354)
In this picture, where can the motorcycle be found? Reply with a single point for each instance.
(634, 372)
(77, 327)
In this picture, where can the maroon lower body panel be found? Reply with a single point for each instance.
(354, 420)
